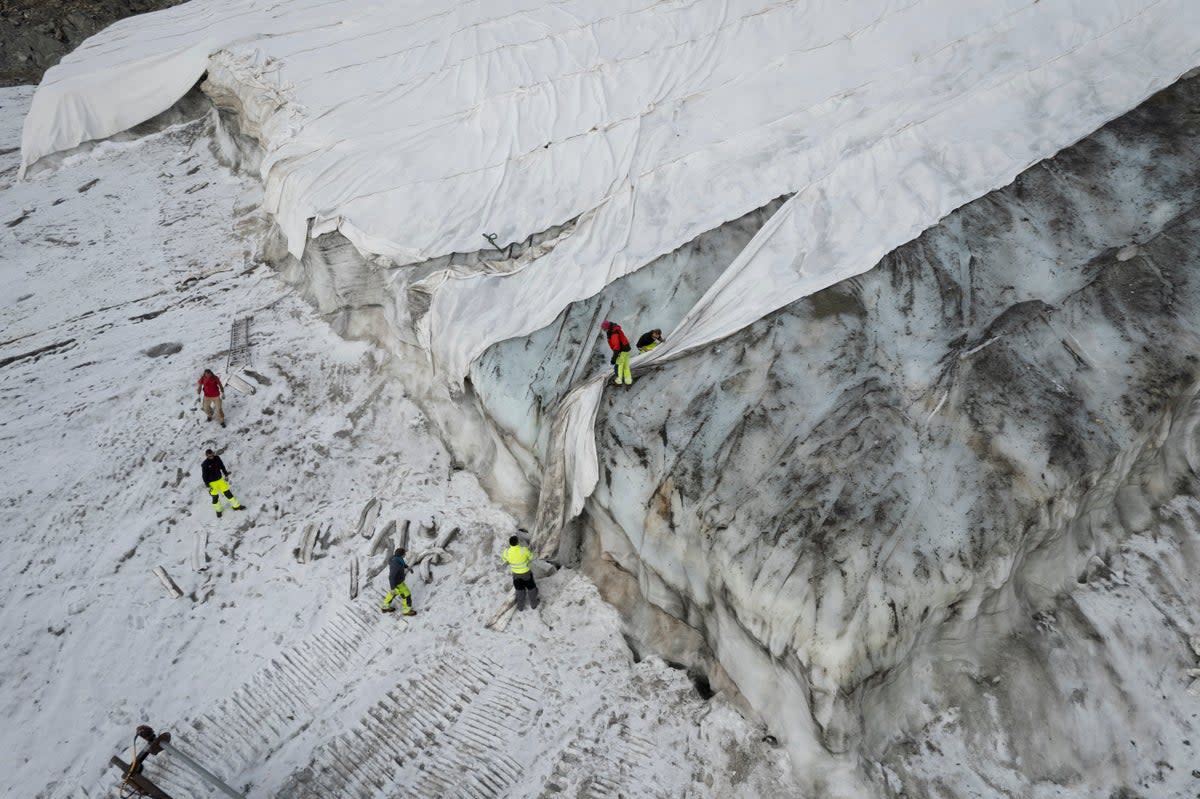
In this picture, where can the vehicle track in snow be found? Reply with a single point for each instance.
(625, 764)
(449, 732)
(278, 702)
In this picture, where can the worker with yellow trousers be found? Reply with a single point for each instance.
(214, 475)
(397, 571)
(618, 342)
(520, 559)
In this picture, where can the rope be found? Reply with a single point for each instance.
(127, 788)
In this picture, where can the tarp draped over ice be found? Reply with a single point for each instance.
(873, 201)
(414, 128)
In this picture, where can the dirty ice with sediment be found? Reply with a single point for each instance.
(944, 523)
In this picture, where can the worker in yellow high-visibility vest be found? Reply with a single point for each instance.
(520, 559)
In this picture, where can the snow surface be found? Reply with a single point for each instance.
(126, 266)
(647, 123)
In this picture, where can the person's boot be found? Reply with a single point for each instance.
(388, 609)
(218, 514)
(520, 600)
(240, 507)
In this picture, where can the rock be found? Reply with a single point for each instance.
(46, 30)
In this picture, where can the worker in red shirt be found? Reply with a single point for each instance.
(619, 344)
(210, 391)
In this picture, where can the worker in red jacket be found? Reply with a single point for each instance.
(210, 391)
(619, 344)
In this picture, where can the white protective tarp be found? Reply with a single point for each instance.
(415, 127)
(843, 223)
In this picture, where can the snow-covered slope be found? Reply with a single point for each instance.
(414, 129)
(125, 268)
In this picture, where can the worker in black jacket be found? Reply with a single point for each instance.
(213, 472)
(397, 571)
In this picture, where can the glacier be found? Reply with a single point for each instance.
(897, 471)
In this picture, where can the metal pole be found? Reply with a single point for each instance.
(131, 776)
(202, 772)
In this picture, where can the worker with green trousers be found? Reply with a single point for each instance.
(397, 571)
(519, 559)
(618, 342)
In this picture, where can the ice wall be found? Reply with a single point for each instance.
(876, 490)
(845, 504)
(900, 503)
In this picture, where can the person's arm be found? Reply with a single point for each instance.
(220, 386)
(221, 466)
